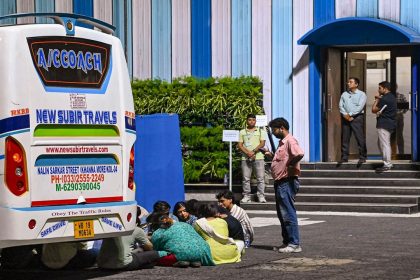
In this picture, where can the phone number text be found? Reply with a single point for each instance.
(77, 178)
(68, 187)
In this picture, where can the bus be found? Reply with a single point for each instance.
(67, 130)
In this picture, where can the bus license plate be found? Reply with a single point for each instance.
(83, 229)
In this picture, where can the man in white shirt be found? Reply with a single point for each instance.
(352, 109)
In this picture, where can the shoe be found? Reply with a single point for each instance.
(182, 264)
(261, 199)
(291, 249)
(278, 248)
(340, 162)
(246, 199)
(360, 162)
(195, 264)
(383, 169)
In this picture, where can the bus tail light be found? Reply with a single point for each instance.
(16, 175)
(32, 224)
(131, 170)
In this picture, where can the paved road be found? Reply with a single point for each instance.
(334, 247)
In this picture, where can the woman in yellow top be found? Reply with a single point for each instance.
(215, 231)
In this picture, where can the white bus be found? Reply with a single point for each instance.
(67, 132)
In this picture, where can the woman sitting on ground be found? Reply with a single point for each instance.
(192, 206)
(234, 226)
(182, 214)
(181, 240)
(215, 231)
(159, 208)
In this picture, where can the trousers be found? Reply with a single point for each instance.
(356, 126)
(258, 166)
(384, 144)
(285, 193)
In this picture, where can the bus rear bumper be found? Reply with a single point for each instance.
(38, 225)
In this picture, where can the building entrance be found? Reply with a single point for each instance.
(382, 50)
(371, 68)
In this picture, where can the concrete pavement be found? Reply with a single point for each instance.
(336, 246)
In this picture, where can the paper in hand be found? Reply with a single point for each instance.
(382, 109)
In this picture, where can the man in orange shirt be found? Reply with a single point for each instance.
(285, 169)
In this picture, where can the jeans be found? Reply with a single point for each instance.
(384, 144)
(285, 193)
(259, 169)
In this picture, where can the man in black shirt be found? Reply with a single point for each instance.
(385, 107)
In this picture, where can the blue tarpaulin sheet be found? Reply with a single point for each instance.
(158, 160)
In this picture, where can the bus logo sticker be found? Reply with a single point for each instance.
(70, 62)
(78, 101)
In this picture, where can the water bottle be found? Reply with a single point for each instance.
(247, 240)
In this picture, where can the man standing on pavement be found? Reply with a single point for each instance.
(251, 140)
(285, 169)
(385, 107)
(352, 106)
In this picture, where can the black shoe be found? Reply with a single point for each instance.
(195, 264)
(360, 162)
(182, 264)
(340, 162)
(382, 169)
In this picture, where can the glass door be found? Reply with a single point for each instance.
(401, 80)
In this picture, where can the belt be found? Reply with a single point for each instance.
(287, 179)
(355, 116)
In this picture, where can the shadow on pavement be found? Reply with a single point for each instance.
(81, 274)
(263, 247)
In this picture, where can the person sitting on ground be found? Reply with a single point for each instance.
(67, 255)
(143, 212)
(226, 200)
(129, 252)
(216, 233)
(192, 206)
(234, 226)
(182, 214)
(181, 240)
(161, 207)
